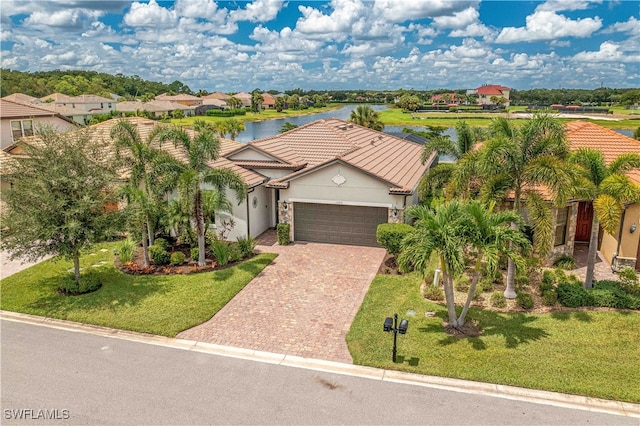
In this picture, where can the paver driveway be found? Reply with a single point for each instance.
(302, 304)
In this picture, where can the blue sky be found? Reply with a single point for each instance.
(337, 44)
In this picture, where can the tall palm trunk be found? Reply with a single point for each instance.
(199, 217)
(150, 232)
(593, 248)
(472, 289)
(145, 246)
(447, 280)
(510, 290)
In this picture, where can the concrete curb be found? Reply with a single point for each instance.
(454, 385)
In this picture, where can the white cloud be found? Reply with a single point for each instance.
(631, 26)
(546, 25)
(258, 11)
(404, 10)
(559, 5)
(345, 13)
(609, 52)
(458, 20)
(150, 15)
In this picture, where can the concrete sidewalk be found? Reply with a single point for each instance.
(10, 267)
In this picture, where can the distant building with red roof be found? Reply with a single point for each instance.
(488, 93)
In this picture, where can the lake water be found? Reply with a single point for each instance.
(262, 129)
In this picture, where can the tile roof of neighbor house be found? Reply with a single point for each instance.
(178, 97)
(55, 97)
(242, 95)
(21, 98)
(582, 134)
(317, 144)
(268, 98)
(217, 95)
(493, 89)
(66, 110)
(213, 101)
(9, 109)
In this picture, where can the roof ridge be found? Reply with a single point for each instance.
(601, 128)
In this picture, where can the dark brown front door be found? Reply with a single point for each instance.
(638, 258)
(583, 221)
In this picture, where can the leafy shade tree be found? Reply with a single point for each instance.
(450, 231)
(177, 113)
(288, 126)
(73, 191)
(636, 134)
(609, 189)
(409, 102)
(515, 162)
(280, 103)
(365, 116)
(189, 177)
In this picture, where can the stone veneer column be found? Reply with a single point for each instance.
(286, 216)
(399, 218)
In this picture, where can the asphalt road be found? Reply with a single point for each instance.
(82, 378)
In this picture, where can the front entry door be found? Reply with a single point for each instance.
(638, 258)
(584, 221)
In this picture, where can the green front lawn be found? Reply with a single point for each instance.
(593, 353)
(163, 305)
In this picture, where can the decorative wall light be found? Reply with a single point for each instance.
(394, 212)
(285, 206)
(633, 228)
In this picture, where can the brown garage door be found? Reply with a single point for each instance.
(327, 223)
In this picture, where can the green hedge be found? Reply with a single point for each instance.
(604, 294)
(226, 112)
(283, 230)
(389, 236)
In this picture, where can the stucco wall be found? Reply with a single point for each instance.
(629, 244)
(250, 154)
(357, 188)
(57, 123)
(260, 210)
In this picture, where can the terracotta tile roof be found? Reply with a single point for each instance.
(55, 97)
(21, 98)
(493, 89)
(214, 101)
(242, 95)
(217, 95)
(64, 110)
(266, 164)
(9, 109)
(179, 97)
(582, 134)
(385, 157)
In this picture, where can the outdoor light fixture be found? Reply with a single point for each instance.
(391, 325)
(633, 228)
(395, 212)
(285, 206)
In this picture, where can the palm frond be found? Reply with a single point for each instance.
(608, 211)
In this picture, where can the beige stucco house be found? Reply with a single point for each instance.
(19, 120)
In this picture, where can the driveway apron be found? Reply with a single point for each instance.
(302, 304)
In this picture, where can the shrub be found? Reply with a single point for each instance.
(521, 281)
(565, 262)
(210, 236)
(159, 255)
(486, 284)
(86, 284)
(177, 258)
(220, 250)
(498, 300)
(161, 242)
(629, 280)
(524, 300)
(572, 295)
(462, 283)
(549, 297)
(389, 236)
(283, 230)
(195, 253)
(623, 299)
(126, 249)
(247, 245)
(477, 294)
(186, 239)
(432, 292)
(548, 277)
(235, 253)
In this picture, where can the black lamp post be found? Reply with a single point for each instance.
(391, 325)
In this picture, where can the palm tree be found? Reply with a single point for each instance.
(365, 116)
(138, 155)
(608, 188)
(517, 161)
(449, 231)
(201, 148)
(233, 127)
(436, 231)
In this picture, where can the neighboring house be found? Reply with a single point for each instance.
(156, 108)
(623, 248)
(217, 95)
(79, 116)
(244, 97)
(331, 180)
(447, 99)
(19, 120)
(21, 98)
(487, 94)
(212, 103)
(183, 99)
(269, 101)
(90, 103)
